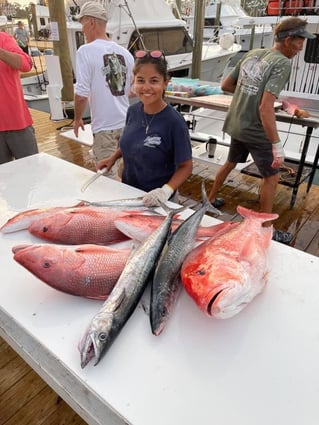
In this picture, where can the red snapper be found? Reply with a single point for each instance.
(226, 272)
(89, 271)
(81, 225)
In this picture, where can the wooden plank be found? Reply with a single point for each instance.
(12, 372)
(17, 396)
(39, 408)
(6, 355)
(41, 44)
(38, 67)
(216, 100)
(64, 415)
(21, 393)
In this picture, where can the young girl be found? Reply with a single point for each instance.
(155, 144)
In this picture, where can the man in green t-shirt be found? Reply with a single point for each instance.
(256, 82)
(22, 37)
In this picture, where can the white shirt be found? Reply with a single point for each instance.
(104, 74)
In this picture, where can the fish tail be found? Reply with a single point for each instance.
(207, 203)
(263, 217)
(170, 210)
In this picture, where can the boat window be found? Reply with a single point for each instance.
(209, 22)
(312, 50)
(171, 41)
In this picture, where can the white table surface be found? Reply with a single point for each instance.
(85, 136)
(259, 367)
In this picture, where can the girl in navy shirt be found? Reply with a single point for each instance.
(155, 144)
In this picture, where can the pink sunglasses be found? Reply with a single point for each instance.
(155, 54)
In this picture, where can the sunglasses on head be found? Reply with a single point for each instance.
(155, 54)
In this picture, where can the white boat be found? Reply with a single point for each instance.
(142, 24)
(226, 16)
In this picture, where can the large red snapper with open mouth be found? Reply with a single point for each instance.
(89, 271)
(226, 272)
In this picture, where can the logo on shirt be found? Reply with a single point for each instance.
(253, 70)
(115, 72)
(152, 141)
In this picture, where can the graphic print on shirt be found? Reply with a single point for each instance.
(152, 141)
(252, 74)
(115, 72)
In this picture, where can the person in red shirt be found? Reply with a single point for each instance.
(17, 138)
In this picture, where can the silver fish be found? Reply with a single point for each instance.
(166, 283)
(117, 309)
(119, 203)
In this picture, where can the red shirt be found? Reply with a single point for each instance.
(14, 112)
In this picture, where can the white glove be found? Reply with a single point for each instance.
(156, 196)
(278, 154)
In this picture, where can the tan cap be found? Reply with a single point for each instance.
(93, 9)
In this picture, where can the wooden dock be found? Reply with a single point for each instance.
(42, 44)
(24, 398)
(38, 67)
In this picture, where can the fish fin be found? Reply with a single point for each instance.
(169, 210)
(248, 252)
(98, 297)
(134, 246)
(84, 203)
(90, 248)
(263, 217)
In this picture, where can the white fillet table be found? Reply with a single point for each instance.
(259, 367)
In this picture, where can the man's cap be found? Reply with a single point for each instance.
(296, 32)
(93, 9)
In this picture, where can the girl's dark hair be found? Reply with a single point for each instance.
(159, 63)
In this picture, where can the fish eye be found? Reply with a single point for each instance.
(102, 336)
(201, 272)
(45, 229)
(46, 264)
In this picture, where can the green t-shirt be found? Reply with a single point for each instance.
(21, 36)
(258, 71)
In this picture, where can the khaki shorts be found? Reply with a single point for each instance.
(105, 144)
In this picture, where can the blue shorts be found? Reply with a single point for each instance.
(260, 151)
